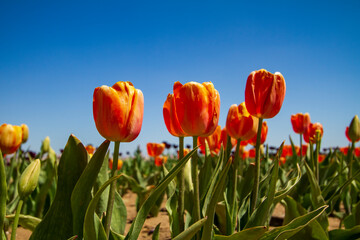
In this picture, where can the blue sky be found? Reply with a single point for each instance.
(53, 55)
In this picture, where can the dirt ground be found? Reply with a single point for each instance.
(150, 223)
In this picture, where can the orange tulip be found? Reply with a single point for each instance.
(252, 153)
(264, 93)
(223, 139)
(300, 122)
(25, 132)
(155, 149)
(240, 124)
(310, 135)
(303, 150)
(321, 158)
(197, 107)
(160, 160)
(118, 111)
(90, 149)
(243, 153)
(264, 131)
(170, 117)
(10, 138)
(214, 141)
(119, 166)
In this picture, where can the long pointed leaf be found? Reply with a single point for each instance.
(250, 233)
(81, 194)
(90, 225)
(191, 231)
(150, 201)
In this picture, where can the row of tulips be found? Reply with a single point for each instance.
(218, 196)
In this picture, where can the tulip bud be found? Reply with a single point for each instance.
(25, 132)
(29, 179)
(45, 147)
(354, 129)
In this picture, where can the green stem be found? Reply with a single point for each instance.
(112, 191)
(301, 137)
(317, 150)
(228, 148)
(254, 194)
(16, 220)
(195, 179)
(350, 158)
(234, 185)
(181, 182)
(312, 157)
(3, 193)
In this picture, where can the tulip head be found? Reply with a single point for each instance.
(313, 133)
(10, 138)
(160, 160)
(197, 107)
(29, 179)
(25, 132)
(155, 149)
(300, 122)
(353, 131)
(118, 111)
(214, 141)
(240, 124)
(45, 146)
(90, 149)
(264, 93)
(170, 117)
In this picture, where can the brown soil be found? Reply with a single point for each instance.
(150, 223)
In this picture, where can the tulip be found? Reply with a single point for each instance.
(119, 166)
(29, 179)
(214, 141)
(118, 114)
(321, 158)
(310, 135)
(170, 117)
(160, 160)
(353, 131)
(197, 107)
(25, 132)
(45, 146)
(264, 93)
(300, 122)
(155, 149)
(10, 138)
(90, 149)
(264, 131)
(118, 111)
(240, 124)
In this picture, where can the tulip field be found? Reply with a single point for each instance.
(225, 186)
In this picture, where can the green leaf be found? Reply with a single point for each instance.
(316, 196)
(218, 191)
(3, 192)
(156, 232)
(250, 233)
(156, 193)
(118, 218)
(345, 234)
(58, 221)
(93, 229)
(191, 231)
(73, 237)
(115, 236)
(313, 231)
(287, 231)
(205, 173)
(26, 221)
(102, 177)
(279, 195)
(81, 194)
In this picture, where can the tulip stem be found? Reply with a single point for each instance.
(195, 179)
(301, 136)
(350, 158)
(3, 193)
(317, 149)
(234, 185)
(181, 182)
(112, 191)
(254, 194)
(16, 220)
(228, 148)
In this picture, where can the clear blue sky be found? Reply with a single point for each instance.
(53, 55)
